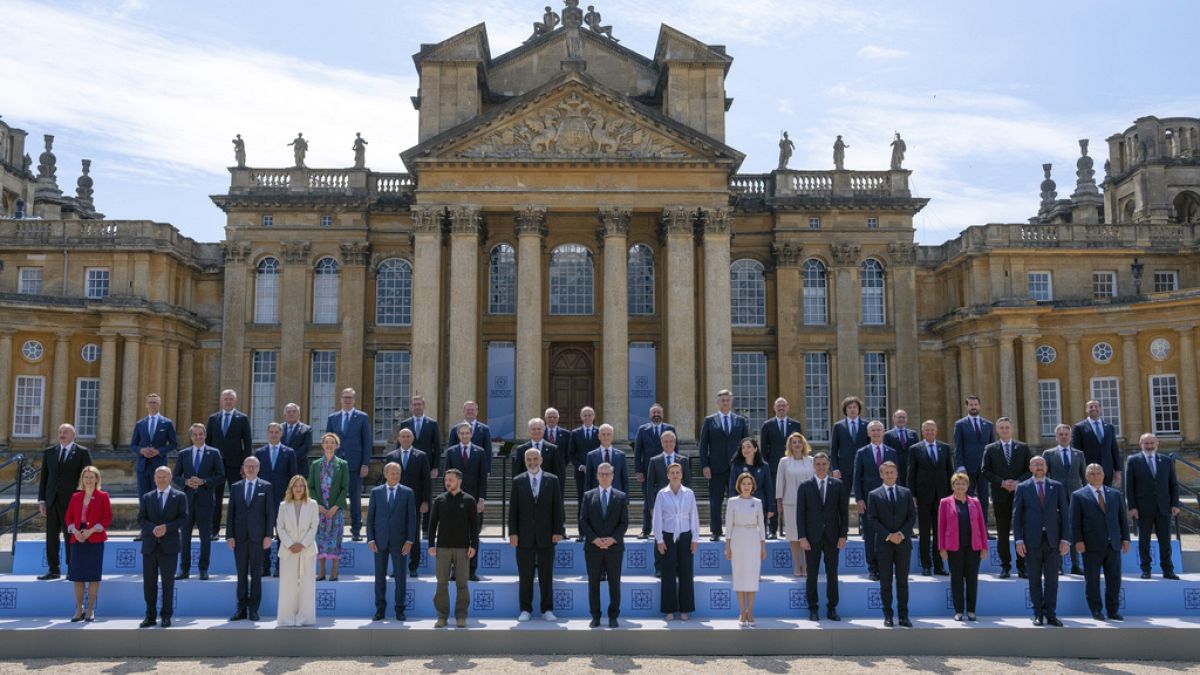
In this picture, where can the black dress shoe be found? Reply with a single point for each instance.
(48, 576)
(833, 615)
(139, 537)
(941, 572)
(1170, 575)
(1053, 621)
(474, 577)
(203, 575)
(1145, 574)
(873, 576)
(181, 575)
(991, 537)
(401, 616)
(147, 622)
(166, 622)
(412, 574)
(812, 615)
(1097, 616)
(1077, 571)
(714, 537)
(594, 623)
(926, 572)
(357, 537)
(1115, 616)
(1022, 574)
(240, 615)
(253, 615)
(578, 539)
(905, 622)
(378, 615)
(657, 574)
(887, 622)
(613, 623)
(1004, 573)
(1038, 621)
(644, 535)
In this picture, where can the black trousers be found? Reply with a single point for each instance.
(381, 574)
(717, 490)
(56, 535)
(927, 518)
(232, 475)
(156, 567)
(678, 592)
(414, 555)
(825, 549)
(894, 561)
(248, 554)
(356, 483)
(773, 521)
(1149, 522)
(870, 546)
(1042, 564)
(541, 561)
(1003, 503)
(1107, 560)
(580, 477)
(607, 561)
(647, 513)
(964, 575)
(200, 515)
(981, 488)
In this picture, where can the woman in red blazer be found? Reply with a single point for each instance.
(962, 542)
(88, 517)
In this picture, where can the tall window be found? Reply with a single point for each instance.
(816, 395)
(392, 370)
(325, 291)
(748, 292)
(322, 390)
(1040, 285)
(1104, 284)
(1164, 404)
(750, 386)
(262, 394)
(571, 280)
(96, 282)
(266, 292)
(502, 280)
(640, 280)
(393, 293)
(28, 400)
(872, 285)
(87, 406)
(29, 280)
(816, 303)
(875, 386)
(1165, 281)
(1049, 407)
(1107, 392)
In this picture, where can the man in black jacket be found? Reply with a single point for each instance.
(535, 525)
(930, 466)
(453, 541)
(892, 515)
(62, 463)
(161, 513)
(249, 529)
(228, 431)
(415, 474)
(822, 524)
(603, 520)
(1005, 465)
(553, 457)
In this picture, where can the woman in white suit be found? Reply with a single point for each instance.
(745, 544)
(296, 524)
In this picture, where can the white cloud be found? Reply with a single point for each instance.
(877, 53)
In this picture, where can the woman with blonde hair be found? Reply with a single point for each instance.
(88, 517)
(962, 543)
(329, 485)
(745, 544)
(795, 468)
(297, 523)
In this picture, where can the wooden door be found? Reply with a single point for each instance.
(572, 381)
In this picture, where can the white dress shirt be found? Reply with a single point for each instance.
(675, 513)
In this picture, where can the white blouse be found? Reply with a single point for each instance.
(675, 513)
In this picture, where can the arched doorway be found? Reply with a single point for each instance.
(572, 381)
(1187, 207)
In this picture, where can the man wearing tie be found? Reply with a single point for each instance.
(721, 435)
(468, 459)
(891, 513)
(1100, 530)
(198, 472)
(427, 438)
(1065, 464)
(972, 434)
(278, 464)
(162, 511)
(153, 439)
(391, 531)
(901, 439)
(867, 476)
(553, 460)
(228, 431)
(773, 439)
(930, 466)
(557, 436)
(584, 439)
(1153, 496)
(606, 454)
(646, 444)
(62, 464)
(415, 475)
(1041, 526)
(354, 428)
(297, 435)
(657, 479)
(603, 521)
(535, 526)
(822, 524)
(249, 526)
(481, 434)
(849, 435)
(1005, 465)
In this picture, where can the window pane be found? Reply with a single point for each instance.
(1039, 286)
(1049, 413)
(1166, 281)
(325, 292)
(750, 386)
(97, 283)
(27, 406)
(816, 395)
(1104, 285)
(816, 312)
(502, 280)
(266, 292)
(1164, 404)
(1107, 392)
(393, 293)
(875, 386)
(640, 281)
(391, 392)
(87, 406)
(322, 390)
(571, 280)
(262, 394)
(748, 293)
(872, 285)
(30, 280)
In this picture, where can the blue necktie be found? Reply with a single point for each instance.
(725, 423)
(391, 497)
(604, 503)
(274, 456)
(404, 459)
(224, 423)
(417, 426)
(1099, 429)
(153, 419)
(249, 492)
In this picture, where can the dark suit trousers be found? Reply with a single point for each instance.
(894, 561)
(1108, 561)
(355, 503)
(869, 546)
(145, 479)
(773, 521)
(647, 512)
(1042, 563)
(678, 575)
(56, 534)
(381, 573)
(981, 488)
(609, 562)
(1148, 522)
(232, 475)
(1002, 503)
(927, 518)
(827, 549)
(580, 478)
(156, 566)
(540, 560)
(248, 554)
(196, 516)
(716, 501)
(964, 574)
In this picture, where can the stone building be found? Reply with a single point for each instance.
(573, 230)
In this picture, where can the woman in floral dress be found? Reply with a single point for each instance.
(329, 484)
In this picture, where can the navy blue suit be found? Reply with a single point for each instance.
(582, 442)
(160, 554)
(391, 524)
(620, 469)
(247, 524)
(299, 439)
(201, 501)
(902, 443)
(866, 479)
(886, 516)
(773, 444)
(1101, 531)
(235, 445)
(843, 448)
(163, 440)
(717, 450)
(481, 435)
(278, 475)
(416, 476)
(1096, 450)
(428, 441)
(1041, 527)
(647, 444)
(356, 449)
(968, 454)
(594, 523)
(822, 523)
(1152, 496)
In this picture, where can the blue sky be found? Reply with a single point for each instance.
(152, 91)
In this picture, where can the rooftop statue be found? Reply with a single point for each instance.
(898, 149)
(239, 152)
(839, 154)
(360, 151)
(548, 23)
(299, 149)
(786, 148)
(592, 19)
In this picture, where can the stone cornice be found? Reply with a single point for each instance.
(530, 220)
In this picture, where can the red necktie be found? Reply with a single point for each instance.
(607, 458)
(878, 456)
(466, 456)
(552, 437)
(1042, 493)
(903, 439)
(978, 433)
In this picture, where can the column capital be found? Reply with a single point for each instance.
(236, 251)
(678, 220)
(355, 253)
(787, 254)
(1072, 337)
(717, 221)
(903, 253)
(132, 337)
(1128, 334)
(466, 220)
(296, 252)
(63, 335)
(845, 253)
(530, 220)
(1186, 329)
(427, 219)
(614, 222)
(1028, 339)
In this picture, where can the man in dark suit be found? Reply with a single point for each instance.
(297, 435)
(892, 515)
(720, 436)
(161, 513)
(773, 443)
(1042, 527)
(553, 458)
(198, 472)
(1005, 465)
(657, 479)
(228, 431)
(557, 436)
(1065, 464)
(278, 465)
(249, 526)
(647, 443)
(391, 531)
(1153, 496)
(481, 434)
(1100, 530)
(822, 524)
(603, 521)
(61, 465)
(606, 454)
(901, 439)
(468, 459)
(930, 466)
(849, 435)
(972, 434)
(1098, 441)
(867, 464)
(535, 526)
(415, 475)
(584, 439)
(427, 437)
(153, 439)
(353, 427)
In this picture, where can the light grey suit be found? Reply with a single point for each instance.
(1072, 477)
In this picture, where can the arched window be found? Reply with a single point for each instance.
(816, 304)
(393, 293)
(640, 280)
(502, 280)
(748, 293)
(266, 292)
(325, 291)
(571, 280)
(872, 284)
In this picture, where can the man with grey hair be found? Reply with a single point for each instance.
(607, 454)
(1100, 531)
(535, 525)
(1065, 464)
(553, 459)
(603, 521)
(228, 430)
(297, 435)
(249, 529)
(1153, 495)
(867, 463)
(62, 463)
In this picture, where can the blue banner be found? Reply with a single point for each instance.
(642, 384)
(501, 377)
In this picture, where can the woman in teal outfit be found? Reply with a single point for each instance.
(329, 484)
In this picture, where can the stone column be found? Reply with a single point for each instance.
(1075, 394)
(171, 391)
(58, 383)
(950, 377)
(293, 293)
(613, 232)
(789, 301)
(1029, 390)
(982, 390)
(679, 226)
(1189, 395)
(465, 228)
(233, 328)
(426, 355)
(186, 390)
(352, 288)
(1133, 415)
(1008, 380)
(904, 318)
(130, 377)
(849, 363)
(108, 387)
(718, 338)
(965, 363)
(6, 383)
(531, 231)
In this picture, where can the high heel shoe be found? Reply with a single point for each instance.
(321, 578)
(78, 617)
(91, 616)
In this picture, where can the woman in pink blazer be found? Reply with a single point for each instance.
(962, 542)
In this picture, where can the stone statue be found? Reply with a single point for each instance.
(898, 150)
(47, 162)
(360, 151)
(572, 16)
(83, 188)
(546, 25)
(572, 19)
(592, 19)
(1107, 167)
(786, 147)
(839, 154)
(26, 162)
(299, 148)
(239, 152)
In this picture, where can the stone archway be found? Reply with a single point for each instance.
(572, 381)
(1187, 207)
